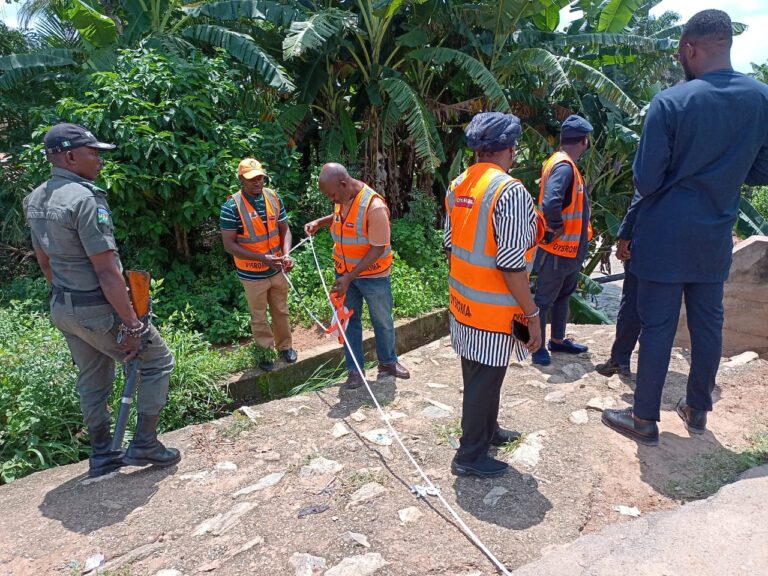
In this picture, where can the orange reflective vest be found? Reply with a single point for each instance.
(257, 236)
(479, 296)
(567, 244)
(350, 237)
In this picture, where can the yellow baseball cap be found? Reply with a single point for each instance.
(249, 168)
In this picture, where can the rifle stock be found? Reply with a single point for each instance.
(138, 282)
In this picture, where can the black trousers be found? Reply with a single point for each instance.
(480, 409)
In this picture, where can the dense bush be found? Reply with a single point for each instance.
(759, 199)
(178, 145)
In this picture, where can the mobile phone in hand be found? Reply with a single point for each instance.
(520, 331)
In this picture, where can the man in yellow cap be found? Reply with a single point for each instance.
(254, 229)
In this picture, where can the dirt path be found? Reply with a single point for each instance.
(302, 490)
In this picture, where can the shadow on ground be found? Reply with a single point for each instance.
(519, 508)
(689, 468)
(383, 388)
(85, 508)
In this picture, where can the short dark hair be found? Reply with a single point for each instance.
(713, 25)
(572, 140)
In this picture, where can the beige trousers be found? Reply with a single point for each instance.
(272, 291)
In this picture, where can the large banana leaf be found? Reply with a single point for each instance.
(750, 221)
(312, 34)
(292, 117)
(96, 28)
(417, 119)
(502, 15)
(549, 19)
(243, 48)
(537, 60)
(348, 134)
(644, 44)
(582, 312)
(600, 83)
(616, 15)
(474, 69)
(281, 15)
(48, 59)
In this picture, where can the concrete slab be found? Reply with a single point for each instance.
(724, 534)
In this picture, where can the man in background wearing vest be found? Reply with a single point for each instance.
(563, 201)
(362, 258)
(254, 229)
(490, 228)
(701, 141)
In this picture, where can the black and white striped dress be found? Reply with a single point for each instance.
(514, 228)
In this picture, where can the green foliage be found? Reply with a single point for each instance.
(311, 34)
(40, 421)
(751, 219)
(243, 48)
(96, 28)
(178, 144)
(212, 298)
(758, 197)
(11, 41)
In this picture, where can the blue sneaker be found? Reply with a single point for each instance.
(567, 346)
(541, 357)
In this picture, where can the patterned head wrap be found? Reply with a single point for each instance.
(493, 131)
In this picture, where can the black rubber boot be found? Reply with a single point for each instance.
(146, 449)
(103, 459)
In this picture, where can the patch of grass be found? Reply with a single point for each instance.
(360, 478)
(509, 447)
(320, 379)
(304, 460)
(449, 431)
(239, 424)
(713, 471)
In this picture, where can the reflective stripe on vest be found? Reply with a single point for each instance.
(479, 296)
(567, 244)
(258, 237)
(350, 237)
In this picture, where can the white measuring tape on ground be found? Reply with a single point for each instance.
(421, 491)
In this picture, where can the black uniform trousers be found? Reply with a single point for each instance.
(480, 410)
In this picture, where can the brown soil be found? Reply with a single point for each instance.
(145, 519)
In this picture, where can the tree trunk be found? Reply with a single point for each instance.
(182, 242)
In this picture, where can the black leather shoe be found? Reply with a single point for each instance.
(354, 381)
(610, 368)
(289, 355)
(484, 468)
(146, 449)
(626, 423)
(103, 459)
(502, 436)
(695, 420)
(397, 370)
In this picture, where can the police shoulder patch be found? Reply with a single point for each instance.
(102, 216)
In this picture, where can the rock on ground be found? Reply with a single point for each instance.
(364, 565)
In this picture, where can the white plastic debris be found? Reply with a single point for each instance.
(380, 436)
(252, 414)
(627, 511)
(93, 562)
